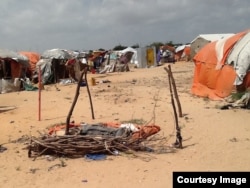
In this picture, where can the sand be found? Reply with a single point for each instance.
(213, 139)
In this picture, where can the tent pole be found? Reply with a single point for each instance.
(39, 93)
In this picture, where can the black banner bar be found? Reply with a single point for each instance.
(211, 179)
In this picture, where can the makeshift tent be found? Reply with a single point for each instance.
(113, 55)
(134, 55)
(123, 61)
(52, 65)
(5, 53)
(182, 53)
(141, 57)
(95, 59)
(56, 54)
(33, 58)
(96, 54)
(52, 70)
(117, 61)
(203, 39)
(74, 67)
(167, 54)
(169, 48)
(13, 66)
(221, 66)
(111, 60)
(126, 57)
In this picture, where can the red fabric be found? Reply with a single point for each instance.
(144, 130)
(16, 69)
(71, 62)
(33, 59)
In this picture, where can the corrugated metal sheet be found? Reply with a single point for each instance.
(213, 37)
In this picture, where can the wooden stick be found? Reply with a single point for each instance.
(169, 71)
(39, 92)
(178, 142)
(74, 103)
(90, 99)
(175, 92)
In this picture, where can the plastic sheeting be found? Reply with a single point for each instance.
(22, 59)
(46, 70)
(10, 85)
(240, 58)
(56, 54)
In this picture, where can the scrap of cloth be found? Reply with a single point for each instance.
(114, 129)
(143, 131)
(100, 129)
(96, 156)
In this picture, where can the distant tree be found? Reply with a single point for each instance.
(178, 44)
(101, 49)
(135, 46)
(119, 47)
(90, 52)
(157, 45)
(170, 43)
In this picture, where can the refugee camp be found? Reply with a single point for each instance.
(124, 93)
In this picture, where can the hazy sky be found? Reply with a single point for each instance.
(38, 25)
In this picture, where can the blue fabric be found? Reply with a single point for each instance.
(95, 156)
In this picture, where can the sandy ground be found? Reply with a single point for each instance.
(213, 139)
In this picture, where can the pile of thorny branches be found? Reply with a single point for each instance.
(74, 146)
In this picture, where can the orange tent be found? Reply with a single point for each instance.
(33, 59)
(213, 78)
(187, 51)
(182, 54)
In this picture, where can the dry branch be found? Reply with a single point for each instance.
(73, 146)
(171, 77)
(84, 72)
(172, 85)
